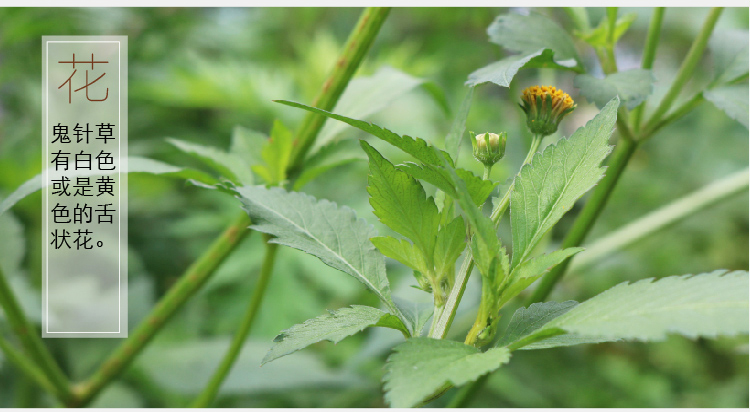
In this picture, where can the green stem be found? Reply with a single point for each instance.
(664, 217)
(221, 248)
(31, 341)
(195, 276)
(359, 42)
(209, 393)
(442, 323)
(585, 220)
(28, 367)
(688, 66)
(684, 109)
(649, 54)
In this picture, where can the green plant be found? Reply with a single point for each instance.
(440, 213)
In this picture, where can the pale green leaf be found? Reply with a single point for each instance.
(228, 165)
(420, 367)
(320, 228)
(276, 154)
(365, 96)
(631, 86)
(402, 251)
(453, 139)
(332, 327)
(529, 271)
(400, 202)
(413, 146)
(729, 49)
(502, 72)
(598, 37)
(732, 100)
(708, 305)
(450, 242)
(527, 34)
(135, 165)
(416, 313)
(568, 339)
(478, 188)
(526, 321)
(247, 144)
(549, 186)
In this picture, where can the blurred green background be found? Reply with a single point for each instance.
(197, 73)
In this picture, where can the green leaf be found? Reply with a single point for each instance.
(402, 251)
(549, 186)
(246, 144)
(416, 313)
(332, 327)
(732, 100)
(276, 154)
(631, 86)
(708, 305)
(365, 96)
(526, 321)
(399, 201)
(502, 72)
(529, 271)
(478, 188)
(228, 165)
(450, 242)
(453, 139)
(527, 34)
(320, 228)
(420, 367)
(598, 37)
(413, 146)
(730, 55)
(135, 165)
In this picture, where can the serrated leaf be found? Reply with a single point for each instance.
(732, 100)
(332, 327)
(135, 165)
(365, 96)
(399, 201)
(420, 367)
(402, 251)
(478, 188)
(416, 313)
(549, 186)
(413, 146)
(709, 305)
(527, 34)
(450, 242)
(453, 139)
(529, 271)
(631, 86)
(276, 154)
(320, 228)
(228, 165)
(729, 49)
(502, 72)
(526, 321)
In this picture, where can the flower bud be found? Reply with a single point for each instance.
(489, 147)
(545, 107)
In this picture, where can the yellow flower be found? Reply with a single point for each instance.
(545, 106)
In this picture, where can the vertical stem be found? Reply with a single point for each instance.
(649, 54)
(31, 341)
(357, 45)
(687, 67)
(209, 393)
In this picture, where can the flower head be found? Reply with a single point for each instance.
(545, 106)
(489, 147)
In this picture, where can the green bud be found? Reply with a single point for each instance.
(489, 147)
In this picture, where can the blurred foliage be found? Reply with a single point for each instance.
(196, 73)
